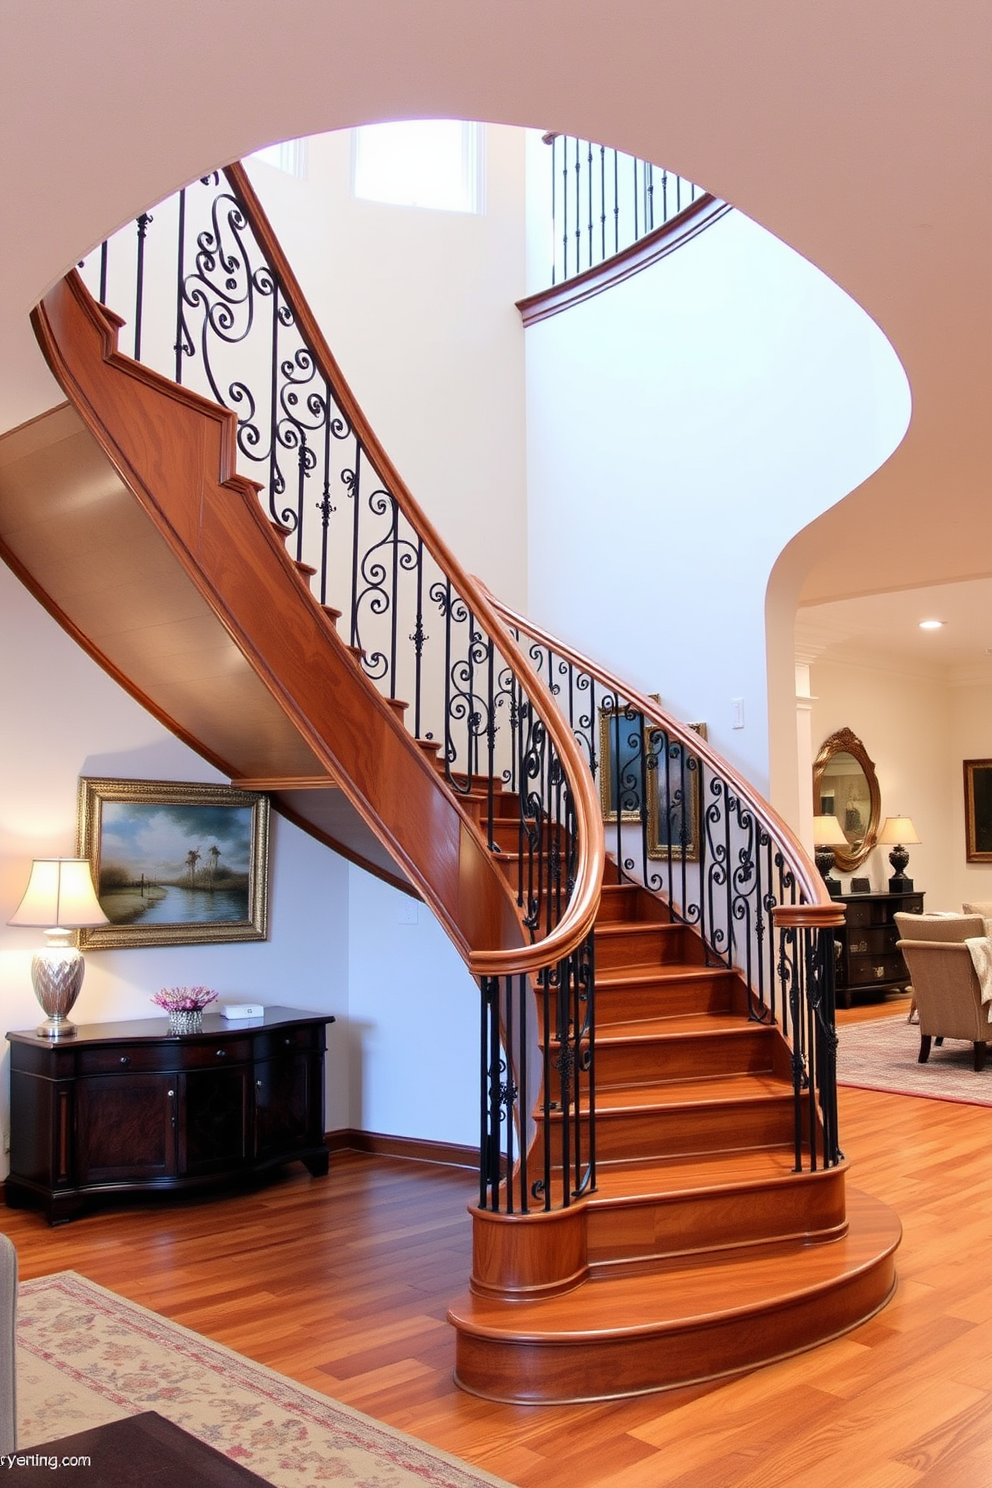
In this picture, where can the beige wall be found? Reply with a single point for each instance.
(917, 727)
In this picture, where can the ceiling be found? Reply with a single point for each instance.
(860, 134)
(885, 628)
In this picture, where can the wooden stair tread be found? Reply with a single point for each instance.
(668, 971)
(718, 1090)
(684, 1026)
(610, 929)
(630, 1181)
(690, 1292)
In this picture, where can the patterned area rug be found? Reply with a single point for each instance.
(884, 1055)
(87, 1356)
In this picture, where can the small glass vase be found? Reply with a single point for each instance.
(186, 1020)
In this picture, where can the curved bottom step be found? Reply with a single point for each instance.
(688, 1322)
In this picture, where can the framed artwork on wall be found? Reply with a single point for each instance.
(621, 763)
(174, 863)
(674, 790)
(978, 810)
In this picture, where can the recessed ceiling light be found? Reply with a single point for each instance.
(931, 624)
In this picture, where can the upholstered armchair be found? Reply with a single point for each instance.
(946, 987)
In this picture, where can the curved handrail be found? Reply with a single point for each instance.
(687, 827)
(241, 331)
(819, 908)
(580, 912)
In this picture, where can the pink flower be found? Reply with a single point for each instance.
(184, 999)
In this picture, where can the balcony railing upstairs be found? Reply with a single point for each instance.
(682, 824)
(602, 201)
(212, 304)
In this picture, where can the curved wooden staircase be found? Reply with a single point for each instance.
(702, 1251)
(703, 1225)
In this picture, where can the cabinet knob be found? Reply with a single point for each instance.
(287, 1039)
(125, 1059)
(172, 1094)
(258, 1084)
(221, 1053)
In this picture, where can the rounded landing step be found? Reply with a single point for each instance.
(688, 1321)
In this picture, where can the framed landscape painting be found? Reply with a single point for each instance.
(173, 863)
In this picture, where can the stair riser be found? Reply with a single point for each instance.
(669, 999)
(683, 1058)
(682, 1223)
(508, 837)
(631, 905)
(640, 945)
(533, 1372)
(684, 1131)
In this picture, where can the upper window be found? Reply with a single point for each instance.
(289, 156)
(432, 163)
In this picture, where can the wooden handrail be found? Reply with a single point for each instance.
(580, 913)
(820, 909)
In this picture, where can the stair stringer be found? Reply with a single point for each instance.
(175, 453)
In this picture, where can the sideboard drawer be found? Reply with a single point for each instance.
(153, 1058)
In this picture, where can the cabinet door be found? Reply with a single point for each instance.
(125, 1128)
(286, 1101)
(213, 1134)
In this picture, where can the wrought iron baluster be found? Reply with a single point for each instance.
(589, 168)
(523, 1106)
(602, 200)
(578, 207)
(616, 202)
(142, 225)
(564, 207)
(355, 492)
(180, 343)
(418, 638)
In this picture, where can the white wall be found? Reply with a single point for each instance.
(904, 719)
(681, 428)
(414, 1021)
(63, 717)
(418, 308)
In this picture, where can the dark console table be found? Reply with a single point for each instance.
(867, 958)
(130, 1107)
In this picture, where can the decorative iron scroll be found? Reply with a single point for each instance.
(213, 306)
(680, 824)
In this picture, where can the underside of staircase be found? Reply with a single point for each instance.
(701, 1250)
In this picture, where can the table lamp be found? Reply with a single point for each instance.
(828, 834)
(59, 899)
(897, 831)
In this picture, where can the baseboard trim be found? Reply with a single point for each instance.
(413, 1149)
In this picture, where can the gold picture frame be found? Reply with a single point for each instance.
(674, 783)
(978, 810)
(621, 768)
(174, 863)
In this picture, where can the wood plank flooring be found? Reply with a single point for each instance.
(343, 1284)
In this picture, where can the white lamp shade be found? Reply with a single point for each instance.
(60, 892)
(897, 832)
(828, 832)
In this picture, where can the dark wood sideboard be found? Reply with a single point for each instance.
(868, 962)
(130, 1107)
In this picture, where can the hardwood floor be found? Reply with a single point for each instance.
(343, 1284)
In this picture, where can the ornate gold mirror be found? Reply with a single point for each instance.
(845, 786)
